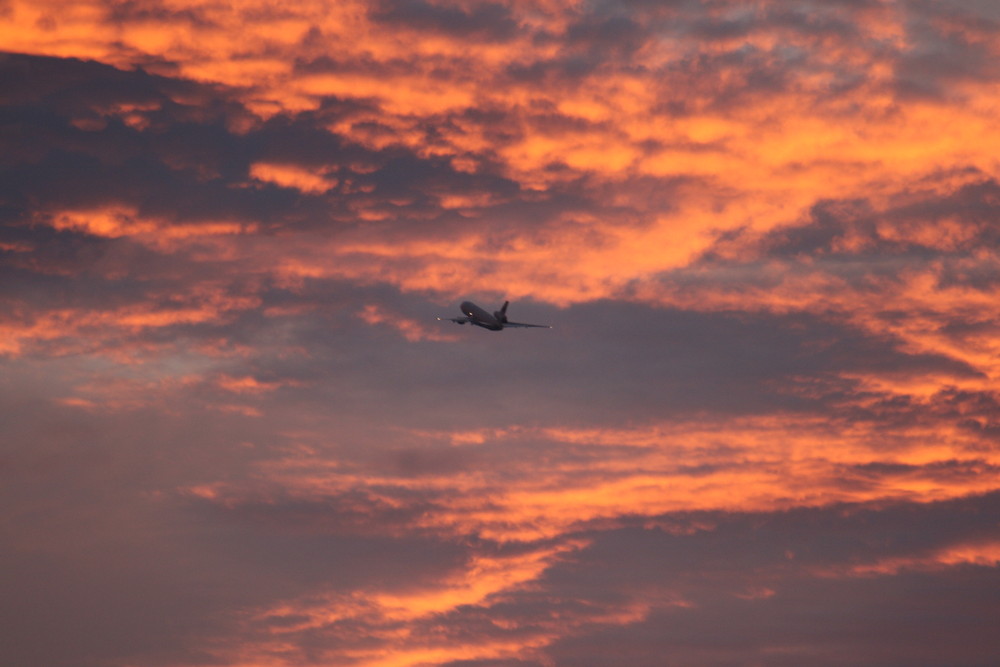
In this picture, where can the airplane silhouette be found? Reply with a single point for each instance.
(495, 322)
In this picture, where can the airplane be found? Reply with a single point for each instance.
(495, 322)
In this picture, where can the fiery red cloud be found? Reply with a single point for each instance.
(765, 234)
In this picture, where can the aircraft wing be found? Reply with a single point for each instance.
(459, 320)
(522, 324)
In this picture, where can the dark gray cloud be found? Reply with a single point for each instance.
(861, 622)
(752, 572)
(928, 221)
(601, 361)
(948, 47)
(480, 20)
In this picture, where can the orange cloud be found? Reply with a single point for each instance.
(251, 385)
(484, 582)
(120, 221)
(291, 176)
(986, 554)
(81, 330)
(761, 165)
(753, 464)
(411, 329)
(585, 479)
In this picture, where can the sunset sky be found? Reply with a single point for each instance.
(764, 428)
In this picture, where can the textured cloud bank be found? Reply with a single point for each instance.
(764, 427)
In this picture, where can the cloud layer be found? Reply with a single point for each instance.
(763, 428)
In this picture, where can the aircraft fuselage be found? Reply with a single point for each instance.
(480, 317)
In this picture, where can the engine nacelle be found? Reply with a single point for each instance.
(501, 316)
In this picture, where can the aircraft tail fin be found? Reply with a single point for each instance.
(501, 314)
